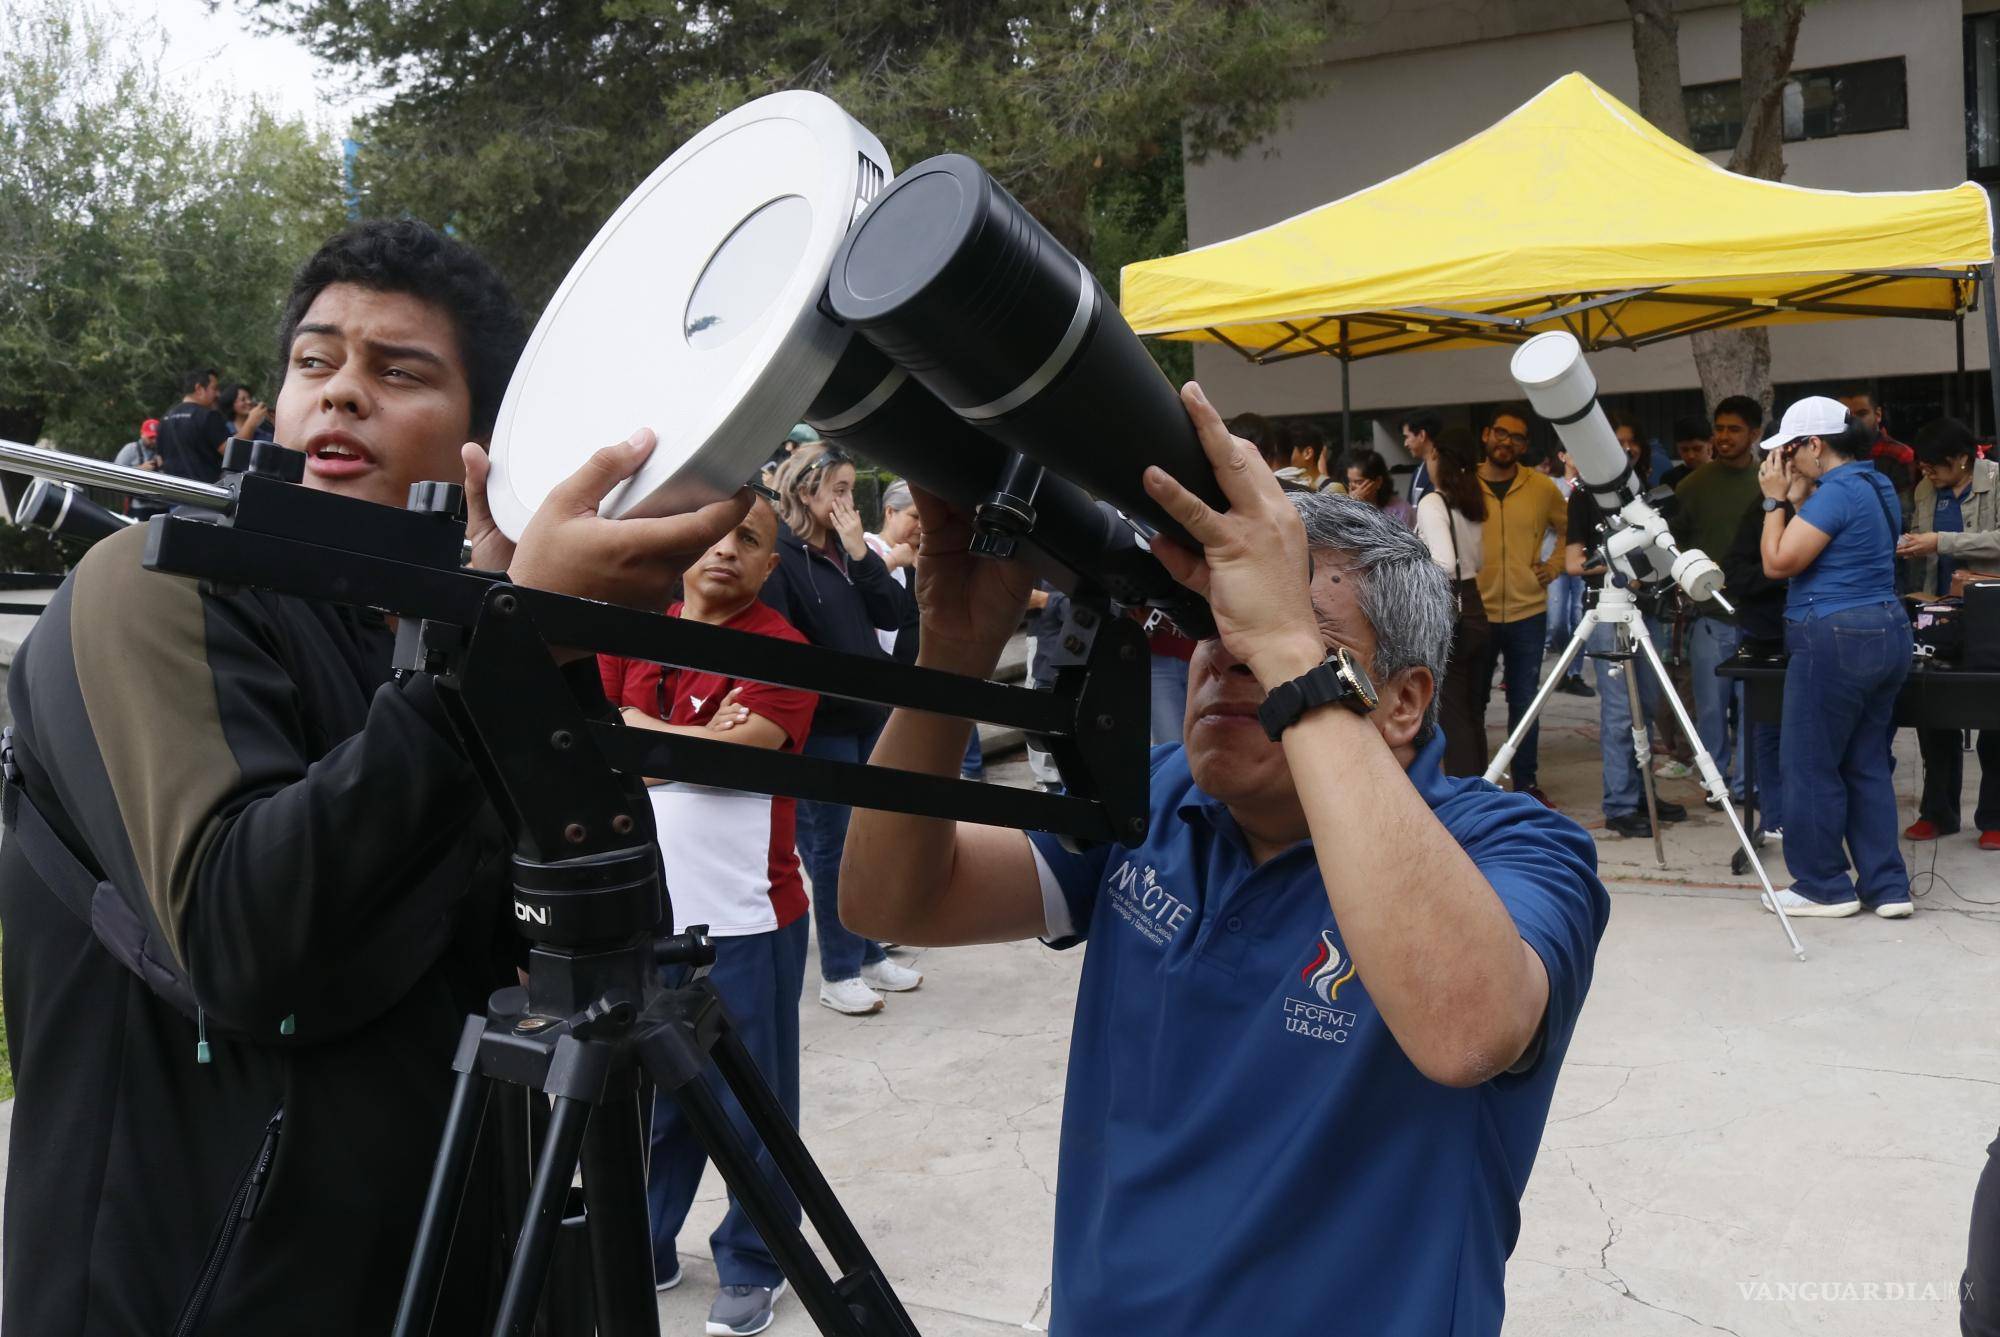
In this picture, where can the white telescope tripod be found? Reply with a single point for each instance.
(1617, 609)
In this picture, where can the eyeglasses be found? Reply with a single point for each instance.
(1511, 438)
(829, 458)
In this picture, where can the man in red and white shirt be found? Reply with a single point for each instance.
(730, 864)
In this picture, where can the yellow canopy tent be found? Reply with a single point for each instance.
(1570, 213)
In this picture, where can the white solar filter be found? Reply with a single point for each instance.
(695, 312)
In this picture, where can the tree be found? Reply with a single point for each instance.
(139, 234)
(522, 125)
(1730, 362)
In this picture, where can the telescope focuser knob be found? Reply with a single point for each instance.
(993, 543)
(999, 524)
(435, 498)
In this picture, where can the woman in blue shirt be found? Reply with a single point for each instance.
(1849, 643)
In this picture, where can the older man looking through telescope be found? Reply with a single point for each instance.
(1326, 998)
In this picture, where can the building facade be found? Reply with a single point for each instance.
(1886, 95)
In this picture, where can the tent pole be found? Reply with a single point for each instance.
(1346, 406)
(1986, 302)
(1960, 398)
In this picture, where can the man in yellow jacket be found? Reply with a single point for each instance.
(1522, 508)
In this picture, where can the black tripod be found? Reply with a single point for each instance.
(574, 1051)
(594, 1028)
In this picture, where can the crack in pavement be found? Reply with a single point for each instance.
(1900, 1072)
(1688, 1132)
(1617, 1284)
(1623, 1082)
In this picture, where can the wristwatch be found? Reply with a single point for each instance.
(1339, 678)
(1772, 504)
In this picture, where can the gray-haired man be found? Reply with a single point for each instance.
(1326, 997)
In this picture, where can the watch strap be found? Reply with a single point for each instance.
(1320, 686)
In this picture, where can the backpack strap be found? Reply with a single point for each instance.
(119, 927)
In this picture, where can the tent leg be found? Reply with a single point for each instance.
(1346, 409)
(1959, 402)
(1986, 302)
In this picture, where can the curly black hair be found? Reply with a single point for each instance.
(402, 255)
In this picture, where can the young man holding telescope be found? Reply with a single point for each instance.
(308, 843)
(1326, 998)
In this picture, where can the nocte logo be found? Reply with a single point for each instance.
(1141, 900)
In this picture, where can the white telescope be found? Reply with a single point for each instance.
(1551, 371)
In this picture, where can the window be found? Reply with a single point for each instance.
(1818, 104)
(1982, 97)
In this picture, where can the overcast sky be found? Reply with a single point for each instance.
(278, 68)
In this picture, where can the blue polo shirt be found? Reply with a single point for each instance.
(1244, 1146)
(1856, 508)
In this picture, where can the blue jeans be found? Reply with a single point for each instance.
(1169, 707)
(1565, 612)
(1840, 699)
(822, 836)
(1519, 644)
(1770, 775)
(1710, 642)
(1624, 790)
(760, 977)
(974, 762)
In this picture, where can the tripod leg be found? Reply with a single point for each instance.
(448, 1175)
(621, 1240)
(530, 1267)
(1642, 752)
(816, 1196)
(766, 1210)
(1505, 756)
(1716, 787)
(676, 1054)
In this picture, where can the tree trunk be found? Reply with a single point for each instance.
(1730, 362)
(1656, 50)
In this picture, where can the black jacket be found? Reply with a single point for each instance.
(318, 855)
(1759, 599)
(841, 610)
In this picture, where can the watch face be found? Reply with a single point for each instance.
(1357, 678)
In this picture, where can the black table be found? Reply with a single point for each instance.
(1933, 696)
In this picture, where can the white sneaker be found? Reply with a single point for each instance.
(1673, 769)
(1796, 904)
(1895, 909)
(890, 977)
(668, 1283)
(851, 996)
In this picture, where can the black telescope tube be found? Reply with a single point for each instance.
(958, 284)
(876, 409)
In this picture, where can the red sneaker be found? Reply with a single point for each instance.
(1989, 840)
(1922, 829)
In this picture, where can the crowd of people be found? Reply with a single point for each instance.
(187, 439)
(1517, 539)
